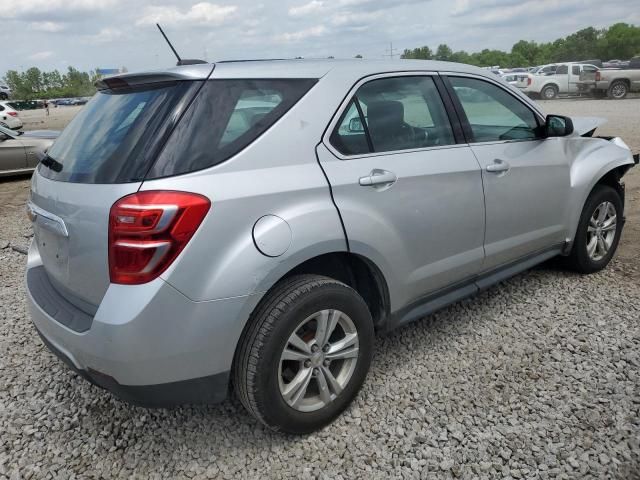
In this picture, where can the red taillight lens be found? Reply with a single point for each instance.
(13, 114)
(598, 77)
(529, 80)
(148, 230)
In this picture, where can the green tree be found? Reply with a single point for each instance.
(444, 53)
(34, 83)
(421, 53)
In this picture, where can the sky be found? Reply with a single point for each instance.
(53, 34)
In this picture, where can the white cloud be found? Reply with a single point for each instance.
(313, 6)
(27, 8)
(311, 32)
(40, 55)
(203, 13)
(105, 35)
(50, 27)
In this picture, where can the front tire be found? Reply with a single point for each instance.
(305, 354)
(598, 232)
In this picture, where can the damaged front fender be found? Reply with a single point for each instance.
(594, 159)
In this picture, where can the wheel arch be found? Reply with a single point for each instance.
(599, 164)
(550, 84)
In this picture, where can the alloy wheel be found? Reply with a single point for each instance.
(619, 90)
(318, 360)
(601, 231)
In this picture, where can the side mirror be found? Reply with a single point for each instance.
(355, 125)
(558, 126)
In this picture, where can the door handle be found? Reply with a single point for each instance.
(499, 166)
(378, 177)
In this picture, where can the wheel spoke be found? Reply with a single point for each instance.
(295, 355)
(602, 212)
(593, 221)
(348, 340)
(326, 325)
(601, 246)
(591, 229)
(331, 380)
(295, 390)
(300, 344)
(610, 224)
(349, 352)
(323, 387)
(608, 240)
(591, 246)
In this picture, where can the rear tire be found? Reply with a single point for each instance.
(618, 90)
(550, 92)
(600, 222)
(329, 367)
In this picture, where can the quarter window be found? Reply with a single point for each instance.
(390, 114)
(494, 114)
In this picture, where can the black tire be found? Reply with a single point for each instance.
(618, 90)
(579, 259)
(256, 366)
(550, 92)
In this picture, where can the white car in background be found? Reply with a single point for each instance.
(9, 117)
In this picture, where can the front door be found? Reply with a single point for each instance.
(526, 177)
(409, 195)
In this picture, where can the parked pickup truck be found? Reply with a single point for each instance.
(563, 81)
(613, 83)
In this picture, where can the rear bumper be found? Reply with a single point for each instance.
(211, 389)
(148, 344)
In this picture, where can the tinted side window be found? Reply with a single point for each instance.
(562, 70)
(494, 114)
(575, 69)
(226, 117)
(400, 113)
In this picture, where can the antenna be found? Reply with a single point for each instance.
(180, 60)
(170, 46)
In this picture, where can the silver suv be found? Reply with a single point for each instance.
(252, 225)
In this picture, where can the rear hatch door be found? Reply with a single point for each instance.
(100, 157)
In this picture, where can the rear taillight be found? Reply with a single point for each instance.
(148, 230)
(598, 77)
(529, 80)
(13, 114)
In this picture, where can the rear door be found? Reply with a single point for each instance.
(526, 177)
(561, 78)
(408, 190)
(100, 157)
(12, 153)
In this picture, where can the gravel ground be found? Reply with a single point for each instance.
(538, 377)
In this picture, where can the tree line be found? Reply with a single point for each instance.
(36, 84)
(619, 41)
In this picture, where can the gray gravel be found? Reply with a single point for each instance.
(538, 377)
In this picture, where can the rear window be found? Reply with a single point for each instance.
(116, 136)
(226, 117)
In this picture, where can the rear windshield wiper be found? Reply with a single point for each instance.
(51, 163)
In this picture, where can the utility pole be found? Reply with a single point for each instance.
(391, 51)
